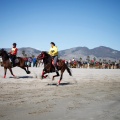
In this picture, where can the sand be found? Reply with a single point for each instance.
(90, 94)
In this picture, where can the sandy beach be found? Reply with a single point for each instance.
(90, 94)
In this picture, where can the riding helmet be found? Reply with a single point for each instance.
(14, 44)
(52, 43)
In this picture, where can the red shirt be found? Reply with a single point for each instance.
(14, 51)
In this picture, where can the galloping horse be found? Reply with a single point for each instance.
(20, 62)
(48, 66)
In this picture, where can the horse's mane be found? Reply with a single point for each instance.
(46, 53)
(5, 51)
(48, 58)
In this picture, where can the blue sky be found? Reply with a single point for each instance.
(68, 23)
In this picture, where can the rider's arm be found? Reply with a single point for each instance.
(10, 51)
(50, 51)
(55, 51)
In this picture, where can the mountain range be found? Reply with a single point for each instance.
(101, 52)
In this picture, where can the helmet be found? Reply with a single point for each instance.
(52, 43)
(14, 44)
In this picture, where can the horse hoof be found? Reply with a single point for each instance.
(28, 72)
(4, 76)
(58, 84)
(16, 77)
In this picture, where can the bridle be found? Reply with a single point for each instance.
(41, 56)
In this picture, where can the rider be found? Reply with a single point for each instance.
(13, 54)
(54, 53)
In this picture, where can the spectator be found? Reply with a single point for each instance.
(34, 62)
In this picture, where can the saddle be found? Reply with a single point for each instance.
(16, 60)
(53, 62)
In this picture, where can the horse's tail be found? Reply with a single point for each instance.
(68, 70)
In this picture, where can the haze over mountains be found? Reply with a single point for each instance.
(101, 52)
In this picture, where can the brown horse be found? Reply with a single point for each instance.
(48, 66)
(20, 62)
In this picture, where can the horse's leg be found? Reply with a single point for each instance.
(24, 65)
(28, 72)
(57, 74)
(10, 69)
(43, 74)
(62, 71)
(61, 76)
(25, 70)
(5, 71)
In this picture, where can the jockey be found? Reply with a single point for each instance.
(73, 59)
(13, 54)
(54, 53)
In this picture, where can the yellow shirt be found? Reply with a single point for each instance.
(53, 51)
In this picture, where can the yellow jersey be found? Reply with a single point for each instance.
(53, 51)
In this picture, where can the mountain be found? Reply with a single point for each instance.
(101, 52)
(98, 52)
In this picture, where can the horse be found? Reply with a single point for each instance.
(79, 64)
(49, 67)
(98, 65)
(73, 64)
(20, 62)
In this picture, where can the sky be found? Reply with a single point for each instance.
(67, 23)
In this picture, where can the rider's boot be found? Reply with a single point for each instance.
(56, 70)
(13, 64)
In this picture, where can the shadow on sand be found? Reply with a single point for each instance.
(61, 84)
(18, 77)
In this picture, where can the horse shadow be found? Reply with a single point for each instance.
(18, 77)
(61, 84)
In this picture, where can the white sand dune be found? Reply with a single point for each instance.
(90, 94)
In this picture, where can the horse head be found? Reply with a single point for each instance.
(43, 55)
(4, 53)
(1, 51)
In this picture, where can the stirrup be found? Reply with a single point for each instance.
(56, 70)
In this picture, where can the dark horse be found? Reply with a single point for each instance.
(20, 62)
(48, 66)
